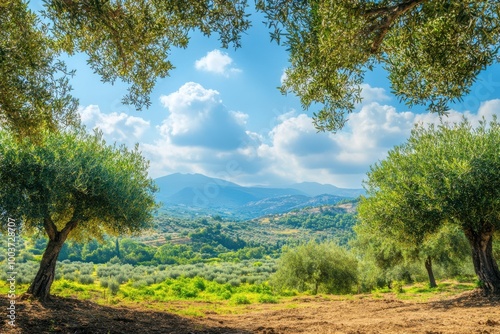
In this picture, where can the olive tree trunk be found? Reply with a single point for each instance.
(485, 265)
(430, 272)
(40, 287)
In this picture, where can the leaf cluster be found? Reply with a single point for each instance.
(34, 89)
(130, 40)
(433, 50)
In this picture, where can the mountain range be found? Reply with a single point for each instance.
(197, 194)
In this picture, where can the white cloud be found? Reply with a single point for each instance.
(199, 134)
(115, 126)
(297, 153)
(198, 118)
(373, 94)
(216, 62)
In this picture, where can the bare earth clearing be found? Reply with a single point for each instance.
(465, 313)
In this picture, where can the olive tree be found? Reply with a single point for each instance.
(72, 185)
(376, 243)
(432, 50)
(446, 174)
(316, 267)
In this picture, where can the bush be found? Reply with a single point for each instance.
(199, 284)
(104, 283)
(240, 299)
(220, 280)
(267, 299)
(86, 279)
(235, 282)
(114, 287)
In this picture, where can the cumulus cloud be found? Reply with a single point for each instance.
(296, 152)
(216, 62)
(201, 135)
(115, 126)
(197, 117)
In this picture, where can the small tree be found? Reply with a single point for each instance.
(447, 247)
(442, 175)
(315, 267)
(72, 185)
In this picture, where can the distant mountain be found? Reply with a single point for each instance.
(276, 205)
(174, 183)
(315, 189)
(196, 194)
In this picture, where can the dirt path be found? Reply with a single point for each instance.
(467, 313)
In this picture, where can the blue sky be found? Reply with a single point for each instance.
(220, 114)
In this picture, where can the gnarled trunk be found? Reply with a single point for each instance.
(430, 272)
(40, 287)
(485, 265)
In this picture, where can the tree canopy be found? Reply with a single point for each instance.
(433, 50)
(34, 89)
(316, 267)
(72, 184)
(446, 174)
(124, 40)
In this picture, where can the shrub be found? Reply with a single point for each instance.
(86, 279)
(70, 277)
(267, 299)
(174, 274)
(122, 278)
(199, 284)
(114, 287)
(139, 284)
(226, 295)
(240, 299)
(220, 280)
(235, 282)
(104, 283)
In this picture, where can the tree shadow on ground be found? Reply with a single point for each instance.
(67, 315)
(474, 298)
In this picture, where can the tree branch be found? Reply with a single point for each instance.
(50, 228)
(402, 7)
(388, 15)
(70, 226)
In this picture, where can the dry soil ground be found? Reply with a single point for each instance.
(465, 313)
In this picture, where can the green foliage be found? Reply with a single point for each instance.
(316, 267)
(86, 279)
(113, 287)
(447, 174)
(74, 180)
(444, 175)
(125, 40)
(433, 50)
(386, 257)
(131, 40)
(267, 299)
(34, 90)
(240, 299)
(213, 235)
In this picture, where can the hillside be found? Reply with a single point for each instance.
(192, 195)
